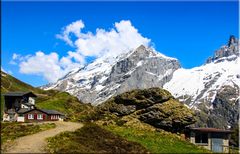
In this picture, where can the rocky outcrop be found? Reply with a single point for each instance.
(153, 106)
(231, 49)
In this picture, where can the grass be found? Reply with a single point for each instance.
(156, 142)
(67, 104)
(11, 131)
(9, 83)
(92, 139)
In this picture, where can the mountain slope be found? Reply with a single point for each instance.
(106, 77)
(50, 99)
(213, 88)
(9, 83)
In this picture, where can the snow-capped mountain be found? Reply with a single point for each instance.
(212, 87)
(108, 76)
(201, 84)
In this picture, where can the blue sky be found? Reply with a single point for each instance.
(188, 31)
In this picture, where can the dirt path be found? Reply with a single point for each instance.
(37, 142)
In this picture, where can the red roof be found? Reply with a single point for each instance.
(211, 130)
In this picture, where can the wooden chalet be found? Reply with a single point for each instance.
(20, 107)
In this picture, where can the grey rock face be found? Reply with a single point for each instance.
(142, 69)
(224, 111)
(225, 51)
(139, 69)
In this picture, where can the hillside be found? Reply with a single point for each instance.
(9, 83)
(50, 99)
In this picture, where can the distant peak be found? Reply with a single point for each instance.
(232, 40)
(143, 51)
(141, 47)
(226, 52)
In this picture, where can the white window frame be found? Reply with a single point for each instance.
(30, 116)
(40, 116)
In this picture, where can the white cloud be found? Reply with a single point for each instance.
(15, 56)
(73, 28)
(47, 65)
(121, 38)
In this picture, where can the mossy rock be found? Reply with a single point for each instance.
(170, 115)
(154, 106)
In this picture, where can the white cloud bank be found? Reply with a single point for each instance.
(110, 43)
(50, 66)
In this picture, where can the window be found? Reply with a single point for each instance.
(39, 116)
(30, 116)
(201, 138)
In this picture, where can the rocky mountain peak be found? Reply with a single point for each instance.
(142, 52)
(232, 41)
(141, 47)
(227, 52)
(138, 69)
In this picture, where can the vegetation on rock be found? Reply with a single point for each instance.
(154, 106)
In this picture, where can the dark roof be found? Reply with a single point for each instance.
(23, 110)
(51, 111)
(19, 93)
(216, 130)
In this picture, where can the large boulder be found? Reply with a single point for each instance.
(154, 106)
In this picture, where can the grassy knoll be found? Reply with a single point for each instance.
(92, 139)
(156, 142)
(65, 103)
(11, 131)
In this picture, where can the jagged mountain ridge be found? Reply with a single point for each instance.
(106, 77)
(213, 88)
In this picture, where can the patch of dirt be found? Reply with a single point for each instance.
(36, 143)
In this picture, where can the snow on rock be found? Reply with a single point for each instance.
(206, 79)
(108, 76)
